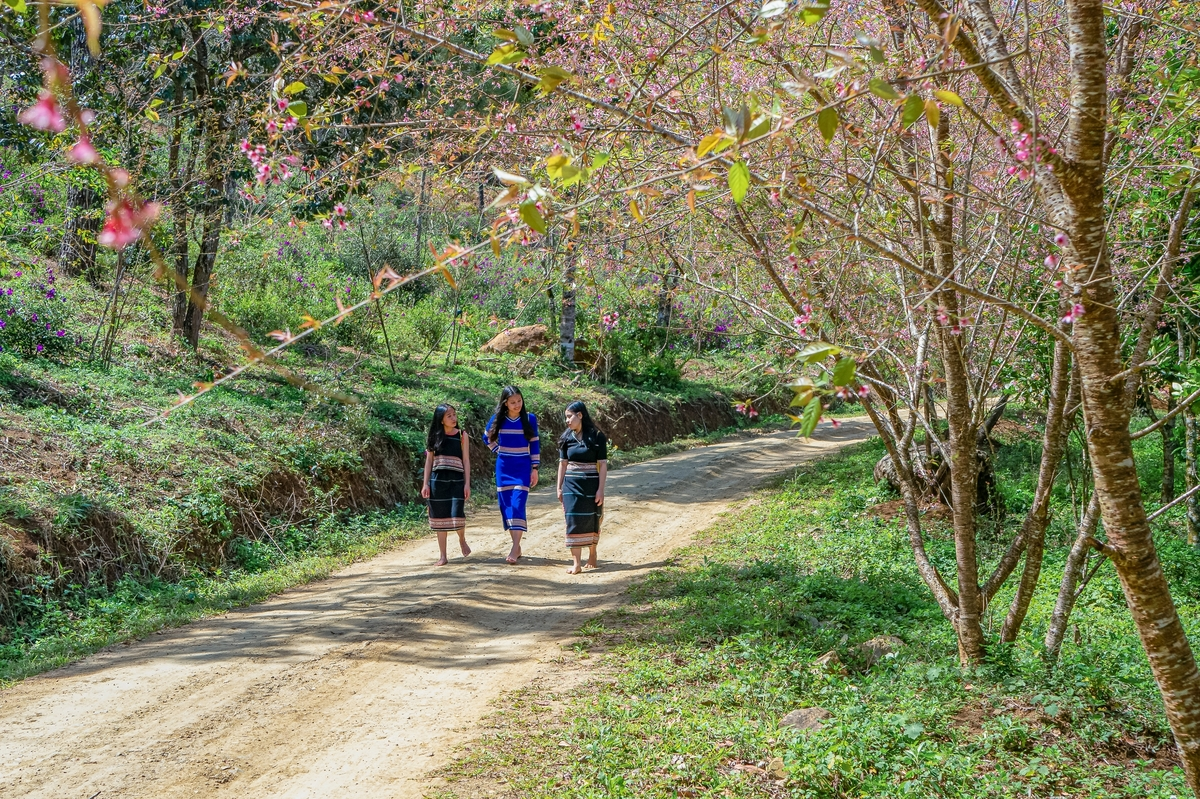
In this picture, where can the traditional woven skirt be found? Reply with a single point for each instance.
(447, 507)
(580, 484)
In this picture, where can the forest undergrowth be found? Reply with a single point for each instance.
(690, 678)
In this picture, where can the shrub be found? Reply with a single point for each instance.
(34, 314)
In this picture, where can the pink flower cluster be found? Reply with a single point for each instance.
(338, 219)
(610, 320)
(1024, 148)
(803, 319)
(264, 169)
(746, 409)
(1073, 314)
(125, 221)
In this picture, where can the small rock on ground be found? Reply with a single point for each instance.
(805, 718)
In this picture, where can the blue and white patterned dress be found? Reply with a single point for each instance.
(516, 459)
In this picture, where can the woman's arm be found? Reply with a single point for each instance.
(488, 442)
(602, 467)
(428, 472)
(466, 448)
(562, 475)
(535, 452)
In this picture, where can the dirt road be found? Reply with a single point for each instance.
(361, 684)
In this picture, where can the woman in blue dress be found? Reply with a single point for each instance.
(512, 434)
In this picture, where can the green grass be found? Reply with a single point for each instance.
(693, 674)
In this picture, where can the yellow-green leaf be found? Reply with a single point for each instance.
(506, 54)
(298, 109)
(531, 216)
(933, 114)
(827, 123)
(881, 88)
(555, 164)
(914, 109)
(551, 77)
(17, 6)
(295, 87)
(710, 143)
(151, 114)
(739, 181)
(947, 96)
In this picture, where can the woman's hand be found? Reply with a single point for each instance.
(560, 495)
(467, 491)
(533, 478)
(425, 491)
(600, 497)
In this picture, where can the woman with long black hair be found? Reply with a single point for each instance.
(447, 483)
(512, 434)
(582, 472)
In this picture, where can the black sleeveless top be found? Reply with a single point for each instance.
(449, 454)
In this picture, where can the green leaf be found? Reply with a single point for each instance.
(158, 73)
(881, 88)
(914, 109)
(760, 128)
(151, 114)
(571, 175)
(739, 181)
(914, 730)
(156, 102)
(599, 160)
(812, 415)
(843, 371)
(531, 216)
(817, 351)
(298, 109)
(17, 6)
(827, 123)
(773, 8)
(295, 87)
(523, 36)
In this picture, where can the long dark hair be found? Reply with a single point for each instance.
(589, 432)
(502, 412)
(437, 430)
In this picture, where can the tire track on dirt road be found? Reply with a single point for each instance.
(361, 684)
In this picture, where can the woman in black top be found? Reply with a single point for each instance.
(582, 471)
(447, 483)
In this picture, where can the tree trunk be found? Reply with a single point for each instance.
(566, 330)
(1168, 450)
(1097, 338)
(1060, 418)
(179, 215)
(1191, 430)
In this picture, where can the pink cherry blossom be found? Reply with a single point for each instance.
(83, 152)
(125, 222)
(44, 114)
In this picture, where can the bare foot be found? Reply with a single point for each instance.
(573, 569)
(590, 565)
(441, 562)
(466, 550)
(513, 556)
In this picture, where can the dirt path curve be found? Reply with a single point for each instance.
(359, 685)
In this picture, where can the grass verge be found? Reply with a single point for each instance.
(679, 692)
